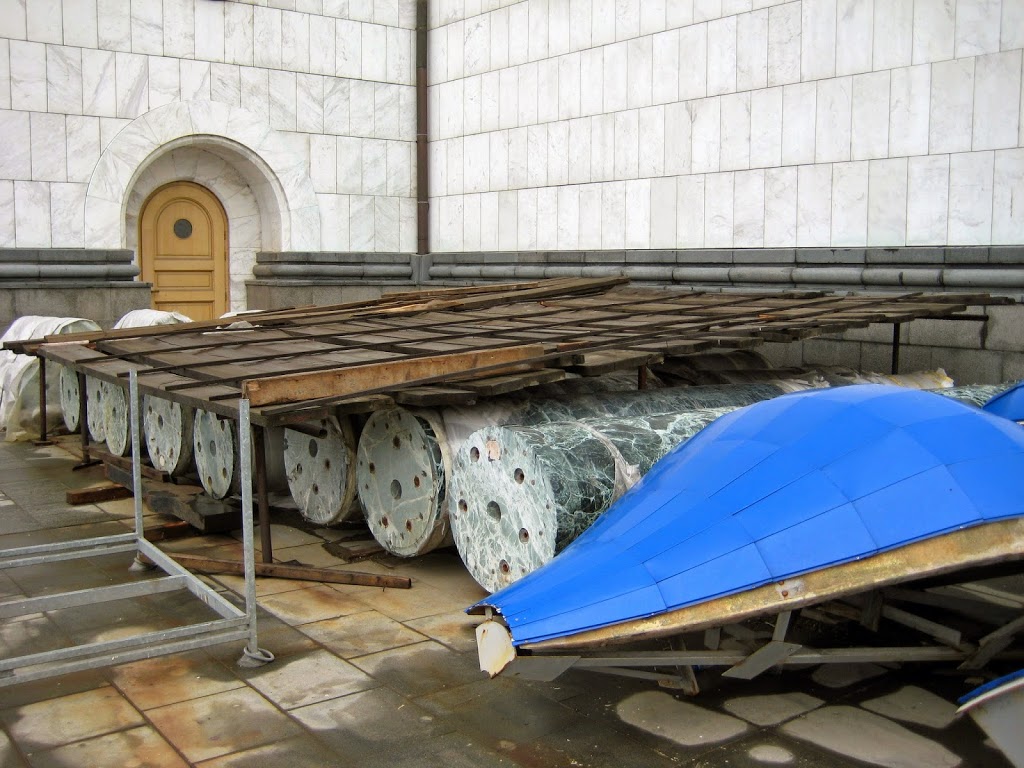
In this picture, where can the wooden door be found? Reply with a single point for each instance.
(183, 247)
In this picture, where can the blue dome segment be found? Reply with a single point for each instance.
(1008, 404)
(772, 491)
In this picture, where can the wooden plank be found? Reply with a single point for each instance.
(302, 572)
(361, 378)
(500, 385)
(428, 396)
(95, 494)
(600, 363)
(190, 504)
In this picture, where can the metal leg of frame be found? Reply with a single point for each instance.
(252, 654)
(42, 404)
(259, 445)
(83, 423)
(895, 367)
(135, 414)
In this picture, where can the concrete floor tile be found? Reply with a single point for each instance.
(56, 722)
(766, 749)
(83, 623)
(8, 589)
(264, 586)
(911, 704)
(51, 688)
(282, 536)
(456, 630)
(845, 675)
(771, 709)
(221, 724)
(9, 757)
(170, 679)
(296, 752)
(13, 520)
(450, 750)
(367, 726)
(302, 606)
(296, 681)
(29, 634)
(422, 600)
(689, 725)
(865, 736)
(278, 638)
(313, 555)
(420, 669)
(136, 748)
(360, 634)
(594, 745)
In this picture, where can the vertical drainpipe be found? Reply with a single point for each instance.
(422, 200)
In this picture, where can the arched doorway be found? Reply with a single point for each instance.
(183, 247)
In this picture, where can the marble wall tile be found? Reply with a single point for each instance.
(48, 147)
(387, 12)
(780, 205)
(869, 130)
(602, 29)
(970, 198)
(194, 77)
(627, 19)
(527, 100)
(283, 100)
(547, 90)
(663, 212)
(471, 104)
(547, 218)
(489, 221)
(456, 175)
(477, 45)
(79, 21)
(638, 213)
(652, 16)
(180, 29)
(613, 215)
(114, 24)
(752, 50)
(766, 128)
(43, 21)
(748, 209)
(1012, 27)
(164, 82)
(718, 210)
(387, 106)
(361, 108)
(558, 153)
(665, 52)
(348, 48)
(592, 82)
(640, 72)
(147, 28)
(508, 91)
(437, 55)
(536, 155)
(238, 34)
(373, 48)
(16, 160)
(28, 76)
(704, 10)
(602, 147)
(894, 35)
(1007, 191)
(678, 13)
(887, 202)
(818, 39)
(997, 93)
(526, 229)
(452, 106)
(361, 10)
(7, 214)
(590, 216)
(706, 134)
(934, 23)
(651, 160)
(490, 101)
(471, 222)
(499, 44)
(309, 98)
(977, 27)
(568, 236)
(569, 78)
(615, 80)
(323, 163)
(736, 129)
(518, 144)
(832, 134)
(360, 223)
(854, 28)
(132, 73)
(678, 139)
(498, 153)
(927, 199)
(952, 97)
(5, 74)
(255, 85)
(722, 56)
(385, 224)
(690, 211)
(476, 151)
(518, 34)
(849, 204)
(401, 56)
(32, 214)
(109, 128)
(799, 107)
(693, 62)
(437, 162)
(627, 144)
(508, 220)
(909, 107)
(83, 147)
(581, 19)
(67, 215)
(814, 205)
(785, 44)
(407, 223)
(64, 79)
(334, 222)
(537, 47)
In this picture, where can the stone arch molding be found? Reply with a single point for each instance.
(274, 164)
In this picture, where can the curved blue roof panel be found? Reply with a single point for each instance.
(774, 490)
(1008, 404)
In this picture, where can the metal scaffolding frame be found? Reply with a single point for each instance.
(233, 624)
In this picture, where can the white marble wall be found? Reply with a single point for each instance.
(587, 124)
(337, 76)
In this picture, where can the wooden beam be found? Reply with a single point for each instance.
(96, 494)
(302, 572)
(345, 382)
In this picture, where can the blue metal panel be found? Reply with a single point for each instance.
(1008, 404)
(747, 502)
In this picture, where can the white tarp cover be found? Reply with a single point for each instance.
(144, 318)
(19, 375)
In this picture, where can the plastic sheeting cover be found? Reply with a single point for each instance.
(145, 318)
(774, 490)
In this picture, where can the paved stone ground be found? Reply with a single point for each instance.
(371, 677)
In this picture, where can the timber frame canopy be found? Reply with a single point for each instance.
(459, 344)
